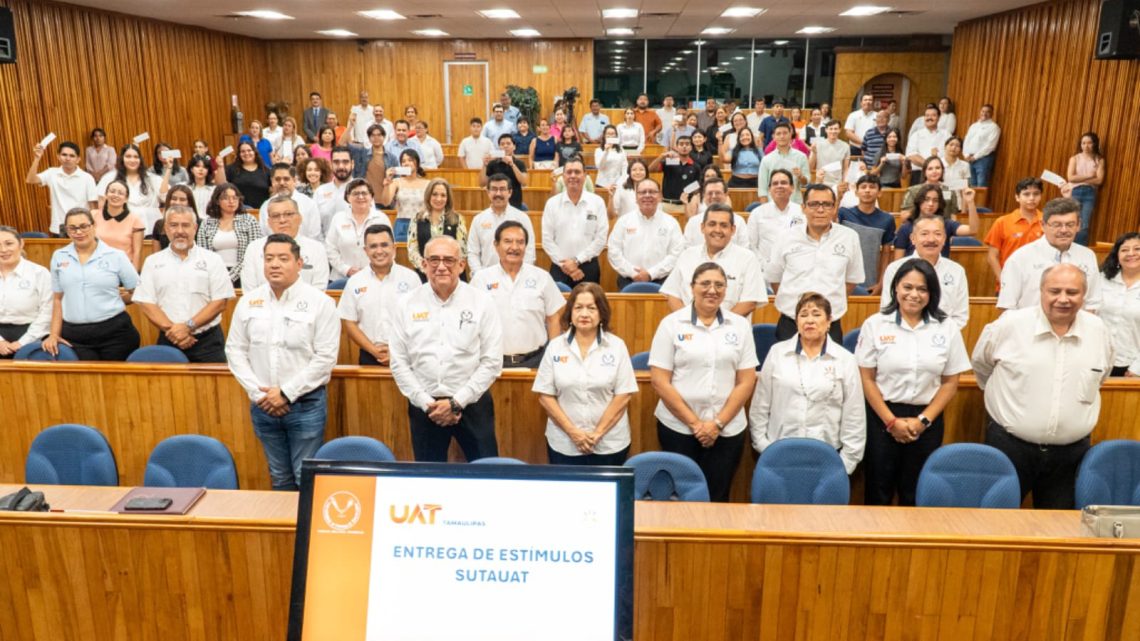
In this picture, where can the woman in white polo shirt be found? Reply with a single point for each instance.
(1120, 290)
(703, 366)
(25, 296)
(584, 383)
(910, 356)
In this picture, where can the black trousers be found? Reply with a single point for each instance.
(622, 281)
(475, 432)
(617, 458)
(1049, 471)
(111, 340)
(738, 182)
(718, 462)
(530, 362)
(1116, 371)
(210, 348)
(786, 328)
(369, 359)
(12, 333)
(890, 466)
(591, 269)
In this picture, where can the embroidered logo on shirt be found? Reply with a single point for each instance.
(486, 225)
(302, 306)
(631, 230)
(25, 284)
(948, 279)
(530, 283)
(839, 250)
(420, 316)
(888, 339)
(257, 303)
(938, 340)
(730, 338)
(684, 337)
(63, 264)
(492, 286)
(402, 288)
(200, 265)
(560, 359)
(359, 290)
(466, 318)
(608, 360)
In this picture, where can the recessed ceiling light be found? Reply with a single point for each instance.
(686, 51)
(865, 10)
(525, 33)
(717, 31)
(619, 13)
(498, 14)
(620, 31)
(431, 33)
(337, 33)
(814, 30)
(619, 42)
(739, 58)
(700, 42)
(265, 14)
(779, 43)
(381, 14)
(742, 12)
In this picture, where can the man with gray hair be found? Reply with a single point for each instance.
(1041, 368)
(1022, 272)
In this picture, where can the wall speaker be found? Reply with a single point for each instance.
(7, 36)
(1118, 37)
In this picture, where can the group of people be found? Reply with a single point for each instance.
(473, 302)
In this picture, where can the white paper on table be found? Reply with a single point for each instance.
(612, 141)
(47, 139)
(141, 138)
(172, 154)
(225, 152)
(1052, 178)
(833, 167)
(691, 187)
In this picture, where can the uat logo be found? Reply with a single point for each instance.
(684, 337)
(420, 316)
(341, 511)
(424, 513)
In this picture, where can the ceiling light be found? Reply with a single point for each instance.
(700, 42)
(619, 13)
(779, 43)
(741, 12)
(525, 33)
(619, 42)
(381, 14)
(619, 31)
(431, 33)
(265, 14)
(815, 30)
(337, 33)
(739, 58)
(865, 10)
(717, 31)
(498, 14)
(686, 52)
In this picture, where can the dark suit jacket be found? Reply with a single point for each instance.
(313, 124)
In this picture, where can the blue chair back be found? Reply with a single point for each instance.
(71, 454)
(33, 352)
(800, 471)
(647, 287)
(640, 361)
(34, 234)
(764, 335)
(563, 287)
(968, 475)
(191, 460)
(850, 340)
(965, 241)
(1110, 474)
(355, 448)
(985, 210)
(338, 284)
(157, 354)
(752, 205)
(666, 476)
(401, 230)
(498, 460)
(859, 290)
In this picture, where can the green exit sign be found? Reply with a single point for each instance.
(539, 69)
(468, 90)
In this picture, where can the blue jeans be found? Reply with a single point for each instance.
(981, 170)
(290, 439)
(1086, 196)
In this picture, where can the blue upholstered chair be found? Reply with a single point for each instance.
(968, 475)
(764, 335)
(33, 352)
(157, 354)
(34, 234)
(965, 241)
(648, 287)
(640, 361)
(401, 230)
(191, 460)
(563, 287)
(1110, 474)
(355, 448)
(338, 284)
(859, 290)
(665, 476)
(850, 340)
(71, 454)
(801, 471)
(498, 460)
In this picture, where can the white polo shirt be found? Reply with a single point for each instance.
(315, 270)
(575, 231)
(330, 200)
(653, 244)
(704, 362)
(767, 224)
(344, 241)
(1021, 275)
(182, 287)
(584, 388)
(445, 348)
(481, 237)
(1120, 310)
(472, 151)
(860, 122)
(68, 191)
(694, 236)
(368, 300)
(26, 299)
(923, 141)
(819, 398)
(910, 361)
(310, 216)
(955, 300)
(745, 279)
(289, 342)
(802, 264)
(522, 304)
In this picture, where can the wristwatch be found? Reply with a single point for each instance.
(455, 408)
(925, 421)
(719, 425)
(191, 325)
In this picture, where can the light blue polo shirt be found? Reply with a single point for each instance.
(91, 291)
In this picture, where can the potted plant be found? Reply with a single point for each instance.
(526, 100)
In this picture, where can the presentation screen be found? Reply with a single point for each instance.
(428, 552)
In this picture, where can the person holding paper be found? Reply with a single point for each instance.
(373, 294)
(1085, 176)
(437, 218)
(68, 185)
(715, 132)
(100, 157)
(746, 289)
(930, 201)
(344, 242)
(288, 143)
(480, 241)
(979, 147)
(644, 246)
(25, 295)
(1015, 229)
(887, 164)
(623, 197)
(1120, 285)
(228, 230)
(679, 172)
(830, 157)
(248, 173)
(712, 190)
(927, 141)
(404, 185)
(957, 173)
(933, 171)
(574, 229)
(584, 384)
(610, 159)
(505, 163)
(783, 157)
(146, 189)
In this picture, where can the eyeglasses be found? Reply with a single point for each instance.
(78, 229)
(650, 192)
(714, 285)
(360, 194)
(819, 204)
(436, 261)
(279, 216)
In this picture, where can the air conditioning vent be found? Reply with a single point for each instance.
(664, 14)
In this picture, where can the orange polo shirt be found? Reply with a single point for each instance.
(1011, 232)
(649, 121)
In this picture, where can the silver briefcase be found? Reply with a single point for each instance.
(1111, 521)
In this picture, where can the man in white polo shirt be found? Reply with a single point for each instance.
(481, 236)
(712, 192)
(285, 218)
(645, 244)
(821, 256)
(283, 181)
(371, 294)
(858, 122)
(774, 219)
(68, 185)
(924, 143)
(574, 229)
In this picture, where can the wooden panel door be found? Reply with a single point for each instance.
(465, 84)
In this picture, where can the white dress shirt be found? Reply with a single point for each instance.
(767, 224)
(948, 122)
(1021, 275)
(653, 244)
(1041, 387)
(745, 278)
(68, 191)
(819, 398)
(981, 139)
(432, 156)
(472, 151)
(631, 137)
(26, 299)
(330, 201)
(1120, 310)
(859, 121)
(522, 304)
(910, 361)
(445, 348)
(624, 199)
(310, 216)
(923, 141)
(584, 388)
(694, 236)
(315, 271)
(955, 300)
(481, 237)
(344, 241)
(289, 342)
(364, 120)
(801, 264)
(576, 231)
(369, 301)
(704, 362)
(181, 287)
(612, 164)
